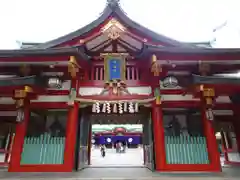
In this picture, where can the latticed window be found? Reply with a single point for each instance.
(44, 142)
(185, 142)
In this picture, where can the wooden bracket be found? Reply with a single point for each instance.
(73, 67)
(21, 95)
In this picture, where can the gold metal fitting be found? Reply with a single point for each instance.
(19, 103)
(73, 66)
(158, 100)
(20, 93)
(28, 89)
(209, 101)
(208, 92)
(154, 58)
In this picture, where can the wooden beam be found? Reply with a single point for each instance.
(127, 48)
(40, 59)
(126, 43)
(114, 46)
(99, 45)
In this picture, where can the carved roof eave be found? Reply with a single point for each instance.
(137, 54)
(21, 53)
(217, 80)
(18, 82)
(193, 51)
(113, 11)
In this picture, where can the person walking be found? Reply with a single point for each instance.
(103, 151)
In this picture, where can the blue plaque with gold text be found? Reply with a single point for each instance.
(114, 68)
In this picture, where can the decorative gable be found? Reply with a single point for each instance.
(113, 29)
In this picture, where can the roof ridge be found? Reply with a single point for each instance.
(113, 8)
(113, 3)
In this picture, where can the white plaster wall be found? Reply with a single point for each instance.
(223, 112)
(223, 99)
(188, 97)
(88, 91)
(6, 100)
(140, 90)
(57, 98)
(178, 97)
(8, 113)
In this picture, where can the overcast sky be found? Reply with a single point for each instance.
(43, 20)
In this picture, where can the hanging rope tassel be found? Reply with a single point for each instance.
(104, 108)
(120, 108)
(125, 108)
(136, 107)
(115, 108)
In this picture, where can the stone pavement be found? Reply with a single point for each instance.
(132, 157)
(121, 174)
(113, 167)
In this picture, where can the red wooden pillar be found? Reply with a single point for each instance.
(236, 125)
(212, 146)
(89, 144)
(71, 133)
(18, 141)
(158, 131)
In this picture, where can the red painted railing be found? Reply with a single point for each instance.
(96, 75)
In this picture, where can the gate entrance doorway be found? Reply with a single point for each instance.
(228, 145)
(126, 138)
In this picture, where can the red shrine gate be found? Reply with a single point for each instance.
(116, 66)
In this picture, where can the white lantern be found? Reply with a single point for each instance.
(130, 140)
(54, 83)
(109, 140)
(170, 82)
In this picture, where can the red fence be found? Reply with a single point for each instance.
(96, 76)
(97, 73)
